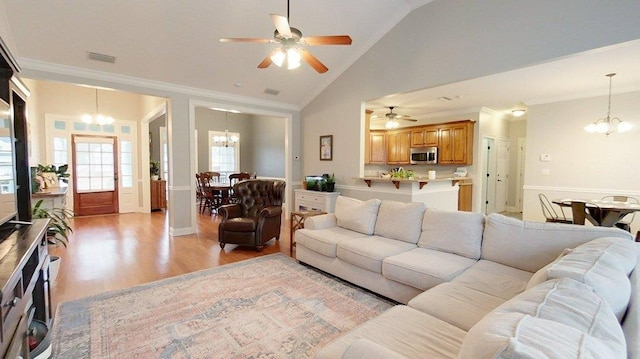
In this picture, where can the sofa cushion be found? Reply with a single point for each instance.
(516, 335)
(531, 245)
(603, 265)
(363, 348)
(357, 215)
(424, 268)
(495, 279)
(405, 331)
(399, 220)
(456, 304)
(369, 252)
(325, 241)
(568, 302)
(454, 232)
(541, 275)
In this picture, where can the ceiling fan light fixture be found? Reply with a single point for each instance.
(278, 57)
(293, 58)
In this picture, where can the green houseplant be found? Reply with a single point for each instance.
(154, 169)
(59, 227)
(331, 182)
(60, 171)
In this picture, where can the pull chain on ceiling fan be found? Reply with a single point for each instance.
(292, 50)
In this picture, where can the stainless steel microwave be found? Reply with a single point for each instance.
(424, 155)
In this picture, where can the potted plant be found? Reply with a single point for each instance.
(60, 171)
(331, 183)
(57, 233)
(154, 168)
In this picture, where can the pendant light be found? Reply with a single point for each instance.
(608, 125)
(97, 118)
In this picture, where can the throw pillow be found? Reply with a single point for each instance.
(357, 215)
(400, 220)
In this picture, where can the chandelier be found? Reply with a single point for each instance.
(97, 117)
(226, 140)
(608, 125)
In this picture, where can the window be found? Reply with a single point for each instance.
(223, 154)
(94, 165)
(60, 152)
(126, 164)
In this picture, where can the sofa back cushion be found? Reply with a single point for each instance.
(532, 245)
(357, 215)
(453, 231)
(516, 335)
(400, 220)
(604, 264)
(560, 318)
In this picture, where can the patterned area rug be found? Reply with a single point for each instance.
(267, 307)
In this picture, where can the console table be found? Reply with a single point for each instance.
(26, 291)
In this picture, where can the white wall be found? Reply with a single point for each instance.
(583, 165)
(449, 41)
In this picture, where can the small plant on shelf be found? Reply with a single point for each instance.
(60, 171)
(154, 168)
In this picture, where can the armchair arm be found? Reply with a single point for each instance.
(270, 212)
(322, 221)
(229, 211)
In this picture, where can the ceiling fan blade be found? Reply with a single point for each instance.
(246, 39)
(328, 40)
(282, 25)
(313, 61)
(406, 119)
(267, 61)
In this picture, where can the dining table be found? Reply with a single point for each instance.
(603, 213)
(223, 188)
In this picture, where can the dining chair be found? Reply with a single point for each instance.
(625, 222)
(207, 197)
(549, 213)
(235, 178)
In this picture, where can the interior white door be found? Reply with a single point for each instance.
(502, 175)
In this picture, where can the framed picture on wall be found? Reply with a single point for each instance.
(326, 148)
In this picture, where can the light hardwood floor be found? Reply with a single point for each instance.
(119, 251)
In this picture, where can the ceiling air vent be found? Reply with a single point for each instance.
(101, 57)
(271, 91)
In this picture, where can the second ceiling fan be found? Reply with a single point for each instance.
(293, 43)
(392, 118)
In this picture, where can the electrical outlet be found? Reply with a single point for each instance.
(545, 172)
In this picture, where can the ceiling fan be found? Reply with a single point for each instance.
(392, 118)
(293, 43)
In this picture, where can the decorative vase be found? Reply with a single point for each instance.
(331, 187)
(154, 177)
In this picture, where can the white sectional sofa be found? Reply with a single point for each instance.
(475, 286)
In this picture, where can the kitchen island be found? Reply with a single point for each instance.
(444, 193)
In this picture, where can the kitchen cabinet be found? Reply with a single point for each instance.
(464, 196)
(424, 136)
(158, 194)
(398, 147)
(377, 149)
(455, 143)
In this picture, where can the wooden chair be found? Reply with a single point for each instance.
(235, 178)
(207, 197)
(549, 213)
(257, 216)
(625, 222)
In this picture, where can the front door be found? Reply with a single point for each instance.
(95, 175)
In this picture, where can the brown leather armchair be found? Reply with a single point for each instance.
(256, 217)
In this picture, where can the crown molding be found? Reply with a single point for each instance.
(29, 65)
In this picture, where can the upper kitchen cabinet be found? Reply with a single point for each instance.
(376, 150)
(426, 136)
(456, 143)
(398, 147)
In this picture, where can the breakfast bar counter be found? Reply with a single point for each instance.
(420, 181)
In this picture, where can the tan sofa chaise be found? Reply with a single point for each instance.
(476, 286)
